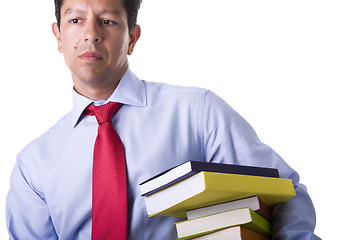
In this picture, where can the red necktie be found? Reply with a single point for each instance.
(109, 203)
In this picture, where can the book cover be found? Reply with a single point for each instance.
(189, 168)
(233, 233)
(254, 203)
(208, 188)
(208, 224)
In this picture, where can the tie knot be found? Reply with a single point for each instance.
(103, 113)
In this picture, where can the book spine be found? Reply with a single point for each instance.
(264, 211)
(263, 225)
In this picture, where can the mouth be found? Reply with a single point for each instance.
(90, 56)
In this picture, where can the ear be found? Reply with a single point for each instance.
(134, 36)
(57, 33)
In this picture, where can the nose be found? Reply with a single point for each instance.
(92, 32)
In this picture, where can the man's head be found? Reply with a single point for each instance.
(95, 40)
(131, 6)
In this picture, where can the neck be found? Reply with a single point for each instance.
(99, 89)
(96, 93)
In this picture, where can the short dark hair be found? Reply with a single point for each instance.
(131, 6)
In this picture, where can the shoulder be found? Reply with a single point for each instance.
(183, 93)
(195, 96)
(41, 143)
(164, 88)
(188, 97)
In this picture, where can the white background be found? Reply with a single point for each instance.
(291, 68)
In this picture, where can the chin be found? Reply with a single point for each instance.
(92, 74)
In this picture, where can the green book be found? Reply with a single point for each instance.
(244, 217)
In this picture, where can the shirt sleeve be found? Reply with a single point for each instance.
(27, 214)
(228, 138)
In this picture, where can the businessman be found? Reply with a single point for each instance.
(80, 179)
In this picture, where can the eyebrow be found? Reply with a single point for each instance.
(72, 10)
(81, 11)
(111, 12)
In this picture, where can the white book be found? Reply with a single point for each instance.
(244, 216)
(254, 203)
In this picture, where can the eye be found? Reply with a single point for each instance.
(74, 20)
(107, 22)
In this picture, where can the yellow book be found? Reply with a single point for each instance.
(208, 188)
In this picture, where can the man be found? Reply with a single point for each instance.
(160, 126)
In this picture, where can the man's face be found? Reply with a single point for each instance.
(95, 40)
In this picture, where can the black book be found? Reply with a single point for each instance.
(189, 168)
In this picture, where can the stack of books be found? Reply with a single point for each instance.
(220, 201)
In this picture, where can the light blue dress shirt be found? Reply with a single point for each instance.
(160, 126)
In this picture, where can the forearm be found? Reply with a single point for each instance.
(27, 215)
(295, 219)
(230, 139)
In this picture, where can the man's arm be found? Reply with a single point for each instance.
(27, 215)
(228, 138)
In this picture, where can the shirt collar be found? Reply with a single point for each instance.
(130, 91)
